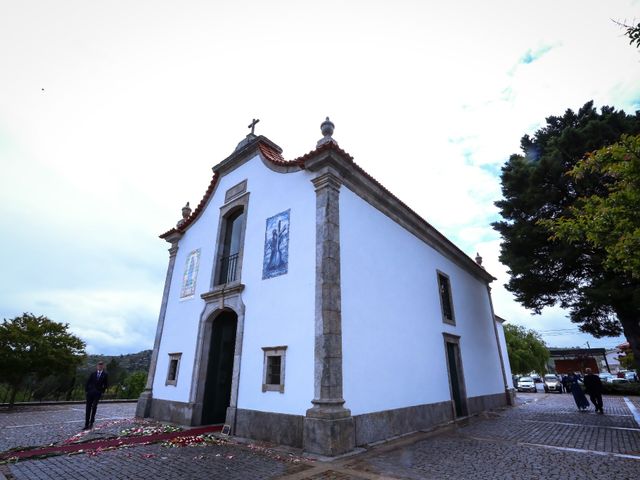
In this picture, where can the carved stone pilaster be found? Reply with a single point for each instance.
(509, 392)
(143, 408)
(328, 426)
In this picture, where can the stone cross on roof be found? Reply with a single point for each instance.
(252, 125)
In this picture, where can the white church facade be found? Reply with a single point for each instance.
(306, 305)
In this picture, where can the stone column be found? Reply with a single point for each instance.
(328, 426)
(509, 392)
(143, 408)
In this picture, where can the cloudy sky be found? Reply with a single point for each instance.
(112, 114)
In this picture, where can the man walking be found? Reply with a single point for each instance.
(593, 386)
(95, 387)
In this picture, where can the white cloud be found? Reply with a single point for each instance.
(141, 99)
(110, 321)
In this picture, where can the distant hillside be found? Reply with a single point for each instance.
(131, 362)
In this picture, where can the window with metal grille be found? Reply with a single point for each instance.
(174, 365)
(273, 376)
(446, 303)
(231, 247)
(274, 362)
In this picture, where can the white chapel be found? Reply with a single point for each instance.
(306, 305)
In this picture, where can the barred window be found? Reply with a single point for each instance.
(274, 363)
(174, 365)
(446, 302)
(273, 376)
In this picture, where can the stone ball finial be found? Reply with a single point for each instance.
(327, 128)
(478, 259)
(186, 211)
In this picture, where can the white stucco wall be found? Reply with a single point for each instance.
(393, 347)
(505, 354)
(278, 311)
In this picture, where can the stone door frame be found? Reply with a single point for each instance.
(462, 386)
(228, 298)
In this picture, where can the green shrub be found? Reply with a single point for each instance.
(621, 388)
(134, 384)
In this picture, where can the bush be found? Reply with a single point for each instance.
(621, 388)
(134, 384)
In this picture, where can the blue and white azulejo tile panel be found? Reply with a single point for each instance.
(276, 246)
(190, 275)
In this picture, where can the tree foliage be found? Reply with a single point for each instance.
(527, 351)
(546, 269)
(134, 384)
(607, 219)
(627, 361)
(34, 348)
(116, 374)
(633, 32)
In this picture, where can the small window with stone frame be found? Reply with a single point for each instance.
(273, 373)
(174, 366)
(446, 300)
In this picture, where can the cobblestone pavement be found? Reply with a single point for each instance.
(545, 436)
(158, 462)
(38, 426)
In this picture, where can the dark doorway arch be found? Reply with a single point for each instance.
(217, 390)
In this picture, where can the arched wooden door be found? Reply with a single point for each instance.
(217, 391)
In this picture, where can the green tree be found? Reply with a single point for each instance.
(608, 219)
(53, 387)
(36, 347)
(633, 32)
(134, 384)
(115, 372)
(527, 351)
(627, 361)
(544, 269)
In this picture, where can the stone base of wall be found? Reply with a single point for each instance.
(271, 427)
(376, 426)
(486, 402)
(287, 429)
(329, 436)
(143, 407)
(171, 411)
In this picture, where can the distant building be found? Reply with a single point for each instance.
(573, 360)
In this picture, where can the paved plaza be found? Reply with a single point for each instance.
(544, 436)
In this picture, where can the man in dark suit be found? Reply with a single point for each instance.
(593, 386)
(96, 385)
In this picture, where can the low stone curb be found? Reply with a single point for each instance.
(70, 402)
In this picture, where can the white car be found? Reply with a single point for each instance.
(619, 380)
(552, 384)
(605, 377)
(526, 384)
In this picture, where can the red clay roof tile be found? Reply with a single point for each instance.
(199, 208)
(274, 156)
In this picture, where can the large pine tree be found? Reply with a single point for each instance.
(546, 271)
